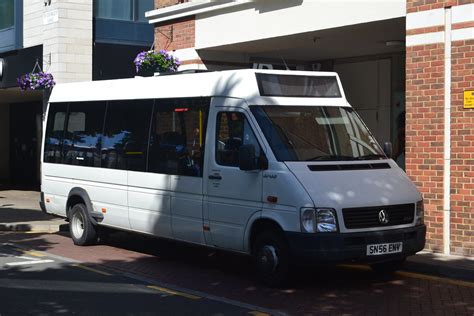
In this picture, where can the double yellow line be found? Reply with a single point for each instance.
(414, 275)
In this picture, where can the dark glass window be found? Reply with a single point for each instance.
(233, 131)
(125, 10)
(312, 133)
(83, 136)
(125, 140)
(55, 132)
(7, 14)
(177, 137)
(272, 85)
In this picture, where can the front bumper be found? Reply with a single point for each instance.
(352, 247)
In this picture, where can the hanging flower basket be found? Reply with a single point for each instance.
(147, 63)
(36, 81)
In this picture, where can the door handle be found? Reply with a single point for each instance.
(215, 177)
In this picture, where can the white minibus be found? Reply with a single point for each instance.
(273, 164)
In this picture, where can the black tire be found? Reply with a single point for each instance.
(271, 258)
(388, 267)
(82, 231)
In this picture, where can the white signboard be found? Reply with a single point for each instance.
(50, 17)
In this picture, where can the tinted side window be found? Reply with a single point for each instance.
(83, 135)
(233, 131)
(55, 132)
(177, 137)
(125, 140)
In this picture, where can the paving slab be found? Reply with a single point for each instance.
(20, 211)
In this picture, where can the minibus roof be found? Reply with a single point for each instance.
(257, 87)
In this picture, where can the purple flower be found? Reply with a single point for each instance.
(156, 61)
(34, 81)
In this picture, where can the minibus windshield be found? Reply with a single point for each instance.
(316, 133)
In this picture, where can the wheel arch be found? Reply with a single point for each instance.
(258, 225)
(79, 195)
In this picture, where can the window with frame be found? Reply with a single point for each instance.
(124, 10)
(177, 137)
(55, 132)
(83, 136)
(7, 14)
(125, 139)
(233, 131)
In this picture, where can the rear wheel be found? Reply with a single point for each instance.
(271, 256)
(388, 266)
(82, 231)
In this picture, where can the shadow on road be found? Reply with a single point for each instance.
(333, 290)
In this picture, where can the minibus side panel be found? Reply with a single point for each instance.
(55, 188)
(107, 189)
(186, 208)
(149, 202)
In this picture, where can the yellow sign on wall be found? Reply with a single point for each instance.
(469, 99)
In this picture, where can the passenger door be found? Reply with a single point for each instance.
(176, 151)
(232, 195)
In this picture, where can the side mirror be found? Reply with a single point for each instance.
(247, 159)
(387, 149)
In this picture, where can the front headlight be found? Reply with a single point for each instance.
(326, 220)
(318, 220)
(420, 213)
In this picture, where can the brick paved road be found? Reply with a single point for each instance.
(317, 291)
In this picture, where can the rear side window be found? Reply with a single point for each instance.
(83, 136)
(177, 137)
(125, 139)
(55, 132)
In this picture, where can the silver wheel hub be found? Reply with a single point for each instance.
(77, 225)
(269, 258)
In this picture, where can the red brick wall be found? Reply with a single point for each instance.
(462, 150)
(423, 5)
(176, 34)
(425, 132)
(166, 3)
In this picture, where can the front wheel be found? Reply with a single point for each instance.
(82, 231)
(271, 256)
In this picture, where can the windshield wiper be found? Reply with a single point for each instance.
(371, 157)
(331, 157)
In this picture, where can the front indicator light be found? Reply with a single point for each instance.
(308, 220)
(420, 213)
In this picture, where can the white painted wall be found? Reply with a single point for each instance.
(368, 89)
(64, 28)
(267, 19)
(32, 23)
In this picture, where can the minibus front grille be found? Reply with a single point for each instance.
(367, 217)
(347, 167)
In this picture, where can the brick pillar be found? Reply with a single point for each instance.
(425, 119)
(178, 35)
(462, 142)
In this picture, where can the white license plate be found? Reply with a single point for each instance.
(383, 249)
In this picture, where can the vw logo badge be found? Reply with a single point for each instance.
(383, 217)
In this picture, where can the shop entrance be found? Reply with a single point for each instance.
(25, 144)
